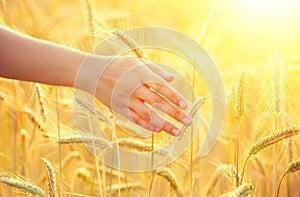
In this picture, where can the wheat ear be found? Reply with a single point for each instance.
(93, 111)
(240, 98)
(123, 186)
(276, 85)
(209, 22)
(89, 18)
(137, 145)
(40, 96)
(131, 43)
(35, 120)
(242, 191)
(192, 112)
(87, 139)
(225, 170)
(133, 144)
(23, 185)
(271, 139)
(170, 176)
(274, 138)
(50, 177)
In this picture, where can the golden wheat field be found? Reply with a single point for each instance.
(255, 45)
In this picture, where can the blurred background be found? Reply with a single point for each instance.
(255, 45)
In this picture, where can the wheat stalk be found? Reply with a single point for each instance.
(170, 176)
(242, 191)
(274, 138)
(50, 177)
(23, 185)
(87, 139)
(292, 167)
(69, 157)
(82, 173)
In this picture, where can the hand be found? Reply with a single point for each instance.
(129, 86)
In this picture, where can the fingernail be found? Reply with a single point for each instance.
(187, 121)
(175, 131)
(157, 129)
(182, 104)
(169, 74)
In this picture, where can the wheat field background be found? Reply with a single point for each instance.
(256, 48)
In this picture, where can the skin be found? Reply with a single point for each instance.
(124, 84)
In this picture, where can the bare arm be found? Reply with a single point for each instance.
(123, 84)
(26, 58)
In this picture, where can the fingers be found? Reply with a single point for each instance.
(167, 91)
(160, 72)
(134, 117)
(163, 105)
(147, 118)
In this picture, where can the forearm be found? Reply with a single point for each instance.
(25, 58)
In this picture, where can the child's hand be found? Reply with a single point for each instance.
(128, 83)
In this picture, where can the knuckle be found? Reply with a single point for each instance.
(147, 115)
(157, 100)
(174, 97)
(135, 120)
(159, 87)
(177, 114)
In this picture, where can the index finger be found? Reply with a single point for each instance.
(166, 90)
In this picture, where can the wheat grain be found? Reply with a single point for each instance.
(170, 176)
(23, 185)
(51, 177)
(87, 139)
(274, 138)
